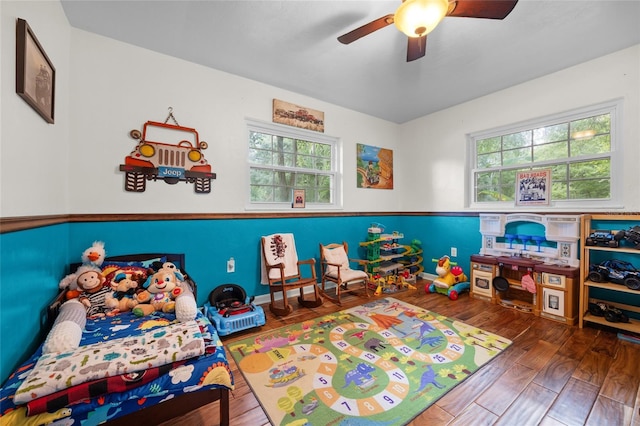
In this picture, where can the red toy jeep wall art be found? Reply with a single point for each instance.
(170, 152)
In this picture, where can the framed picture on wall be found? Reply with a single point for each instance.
(532, 187)
(297, 116)
(298, 199)
(374, 167)
(35, 74)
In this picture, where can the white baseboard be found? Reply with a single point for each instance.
(266, 298)
(427, 276)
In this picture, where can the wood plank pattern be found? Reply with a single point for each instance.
(552, 375)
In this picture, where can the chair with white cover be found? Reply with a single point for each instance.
(334, 264)
(281, 270)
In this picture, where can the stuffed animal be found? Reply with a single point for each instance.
(92, 259)
(448, 275)
(123, 286)
(94, 292)
(161, 289)
(94, 255)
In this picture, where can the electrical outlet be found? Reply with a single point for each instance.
(231, 265)
(454, 252)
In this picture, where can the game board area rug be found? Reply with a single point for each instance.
(381, 363)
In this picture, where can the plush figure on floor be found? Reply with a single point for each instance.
(92, 259)
(160, 292)
(123, 292)
(451, 279)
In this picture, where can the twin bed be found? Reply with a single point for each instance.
(179, 366)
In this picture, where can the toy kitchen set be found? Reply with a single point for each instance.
(529, 262)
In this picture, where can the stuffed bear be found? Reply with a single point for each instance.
(93, 293)
(123, 286)
(161, 289)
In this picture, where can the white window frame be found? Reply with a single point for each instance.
(296, 133)
(613, 107)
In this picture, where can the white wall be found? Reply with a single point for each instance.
(117, 87)
(433, 147)
(34, 161)
(105, 88)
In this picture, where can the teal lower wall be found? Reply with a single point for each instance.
(34, 261)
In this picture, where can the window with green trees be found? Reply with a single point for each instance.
(282, 159)
(578, 147)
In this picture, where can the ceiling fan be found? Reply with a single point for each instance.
(417, 18)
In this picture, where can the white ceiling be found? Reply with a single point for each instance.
(292, 45)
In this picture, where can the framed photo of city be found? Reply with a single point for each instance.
(533, 188)
(35, 74)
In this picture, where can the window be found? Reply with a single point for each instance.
(282, 159)
(579, 147)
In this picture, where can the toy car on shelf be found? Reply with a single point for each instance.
(615, 271)
(602, 238)
(631, 235)
(230, 310)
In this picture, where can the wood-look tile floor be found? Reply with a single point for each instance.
(553, 374)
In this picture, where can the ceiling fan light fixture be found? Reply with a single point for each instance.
(417, 18)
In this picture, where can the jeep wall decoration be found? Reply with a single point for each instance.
(170, 152)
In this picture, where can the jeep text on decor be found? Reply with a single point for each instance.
(169, 152)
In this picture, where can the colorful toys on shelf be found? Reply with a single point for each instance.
(391, 266)
(390, 283)
(451, 279)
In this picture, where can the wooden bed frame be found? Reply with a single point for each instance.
(174, 407)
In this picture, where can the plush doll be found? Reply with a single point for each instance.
(93, 293)
(161, 289)
(92, 259)
(123, 291)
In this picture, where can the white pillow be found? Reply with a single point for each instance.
(338, 256)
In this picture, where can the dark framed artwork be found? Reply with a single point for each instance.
(35, 74)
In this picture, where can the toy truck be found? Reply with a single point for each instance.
(615, 271)
(632, 235)
(169, 152)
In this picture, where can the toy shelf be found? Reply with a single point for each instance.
(385, 269)
(586, 285)
(632, 325)
(390, 265)
(412, 259)
(611, 286)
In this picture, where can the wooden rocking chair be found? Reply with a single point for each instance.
(334, 263)
(282, 270)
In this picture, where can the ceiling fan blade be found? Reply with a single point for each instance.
(489, 9)
(416, 48)
(366, 29)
